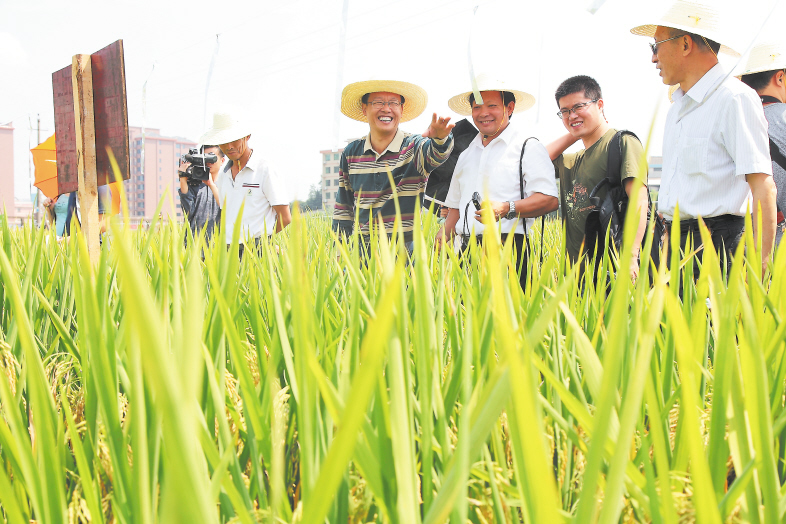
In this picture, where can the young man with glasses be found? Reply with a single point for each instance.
(367, 164)
(716, 163)
(766, 74)
(580, 103)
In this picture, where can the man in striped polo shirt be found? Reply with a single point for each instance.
(367, 164)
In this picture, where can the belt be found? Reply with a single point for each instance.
(479, 238)
(688, 224)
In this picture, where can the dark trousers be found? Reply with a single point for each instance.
(257, 244)
(520, 249)
(725, 230)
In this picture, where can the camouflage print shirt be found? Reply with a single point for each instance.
(578, 175)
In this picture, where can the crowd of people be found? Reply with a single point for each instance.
(718, 158)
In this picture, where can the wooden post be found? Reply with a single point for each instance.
(84, 128)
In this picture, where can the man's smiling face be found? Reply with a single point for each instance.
(582, 120)
(383, 117)
(491, 116)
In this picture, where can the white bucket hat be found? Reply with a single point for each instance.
(460, 103)
(225, 129)
(766, 57)
(692, 17)
(415, 98)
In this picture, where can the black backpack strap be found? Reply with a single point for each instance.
(614, 163)
(776, 155)
(521, 188)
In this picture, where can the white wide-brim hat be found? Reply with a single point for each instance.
(766, 57)
(226, 128)
(415, 98)
(692, 17)
(460, 103)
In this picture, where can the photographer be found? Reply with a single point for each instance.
(198, 191)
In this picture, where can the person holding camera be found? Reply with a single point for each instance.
(501, 168)
(249, 190)
(198, 190)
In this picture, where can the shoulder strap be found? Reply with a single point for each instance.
(776, 155)
(521, 168)
(614, 163)
(521, 188)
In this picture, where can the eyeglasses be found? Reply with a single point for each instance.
(379, 104)
(654, 45)
(578, 108)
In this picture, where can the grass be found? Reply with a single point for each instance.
(308, 384)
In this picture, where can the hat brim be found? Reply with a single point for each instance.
(224, 136)
(415, 98)
(459, 104)
(766, 57)
(649, 31)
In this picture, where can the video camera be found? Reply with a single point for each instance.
(199, 169)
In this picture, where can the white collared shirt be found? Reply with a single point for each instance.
(493, 171)
(260, 188)
(715, 134)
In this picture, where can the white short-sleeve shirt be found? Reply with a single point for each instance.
(715, 134)
(493, 171)
(261, 188)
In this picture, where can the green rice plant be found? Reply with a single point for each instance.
(332, 379)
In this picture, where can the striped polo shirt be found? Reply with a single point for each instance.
(364, 184)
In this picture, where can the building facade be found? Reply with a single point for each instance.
(159, 178)
(330, 168)
(654, 174)
(7, 169)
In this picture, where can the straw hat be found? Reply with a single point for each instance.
(415, 98)
(693, 17)
(460, 103)
(225, 129)
(766, 57)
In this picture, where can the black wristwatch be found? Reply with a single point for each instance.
(512, 213)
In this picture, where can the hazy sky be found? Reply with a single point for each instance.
(277, 62)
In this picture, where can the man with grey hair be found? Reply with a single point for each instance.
(715, 159)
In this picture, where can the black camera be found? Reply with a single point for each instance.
(476, 200)
(199, 169)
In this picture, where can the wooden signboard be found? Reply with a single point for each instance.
(110, 113)
(91, 117)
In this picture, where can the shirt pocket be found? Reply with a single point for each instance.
(693, 156)
(250, 190)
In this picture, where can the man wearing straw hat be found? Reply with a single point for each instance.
(367, 164)
(715, 159)
(246, 181)
(514, 175)
(766, 74)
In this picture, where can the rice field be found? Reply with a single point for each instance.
(309, 384)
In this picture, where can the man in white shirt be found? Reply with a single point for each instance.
(716, 161)
(490, 167)
(248, 181)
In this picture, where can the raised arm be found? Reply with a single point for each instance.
(558, 146)
(433, 153)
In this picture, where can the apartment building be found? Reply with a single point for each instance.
(330, 163)
(7, 169)
(159, 178)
